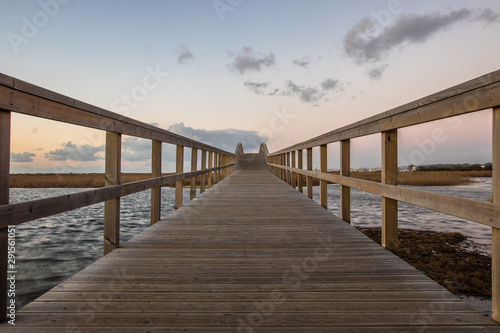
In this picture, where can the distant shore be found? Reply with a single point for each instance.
(95, 180)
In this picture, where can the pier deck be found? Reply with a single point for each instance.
(251, 254)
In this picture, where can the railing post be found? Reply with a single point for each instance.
(390, 176)
(194, 165)
(155, 172)
(309, 180)
(345, 170)
(112, 177)
(300, 163)
(216, 164)
(5, 121)
(495, 248)
(219, 163)
(210, 163)
(323, 190)
(293, 174)
(203, 167)
(288, 173)
(179, 168)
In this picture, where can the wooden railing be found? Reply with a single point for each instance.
(24, 98)
(475, 95)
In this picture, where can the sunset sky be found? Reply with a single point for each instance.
(229, 71)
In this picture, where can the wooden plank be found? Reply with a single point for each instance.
(5, 126)
(345, 170)
(112, 177)
(495, 241)
(293, 175)
(21, 97)
(203, 167)
(309, 180)
(179, 168)
(390, 238)
(199, 269)
(477, 94)
(194, 165)
(155, 172)
(323, 168)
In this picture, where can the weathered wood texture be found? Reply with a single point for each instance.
(250, 255)
(390, 238)
(5, 124)
(112, 178)
(495, 290)
(155, 172)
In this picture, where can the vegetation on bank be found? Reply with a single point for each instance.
(93, 180)
(447, 258)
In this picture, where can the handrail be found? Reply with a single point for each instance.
(21, 97)
(475, 95)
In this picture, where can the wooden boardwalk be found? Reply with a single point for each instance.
(250, 255)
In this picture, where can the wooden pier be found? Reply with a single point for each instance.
(250, 255)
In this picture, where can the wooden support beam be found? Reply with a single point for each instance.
(155, 172)
(194, 165)
(300, 165)
(288, 173)
(309, 158)
(323, 167)
(219, 163)
(203, 167)
(210, 164)
(293, 174)
(216, 164)
(179, 168)
(495, 248)
(345, 170)
(112, 177)
(390, 238)
(5, 123)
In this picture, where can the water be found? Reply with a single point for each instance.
(50, 250)
(366, 210)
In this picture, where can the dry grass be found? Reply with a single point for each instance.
(428, 178)
(71, 180)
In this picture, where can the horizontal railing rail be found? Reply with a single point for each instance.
(475, 95)
(17, 96)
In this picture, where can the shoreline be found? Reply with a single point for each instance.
(451, 259)
(96, 180)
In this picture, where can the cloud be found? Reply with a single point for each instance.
(307, 94)
(72, 152)
(226, 139)
(302, 62)
(330, 84)
(368, 42)
(184, 55)
(377, 72)
(135, 149)
(21, 158)
(249, 60)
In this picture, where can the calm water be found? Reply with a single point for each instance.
(51, 249)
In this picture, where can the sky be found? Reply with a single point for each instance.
(250, 71)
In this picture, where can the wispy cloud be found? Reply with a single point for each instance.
(184, 55)
(306, 94)
(247, 60)
(22, 157)
(72, 152)
(364, 46)
(303, 62)
(377, 72)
